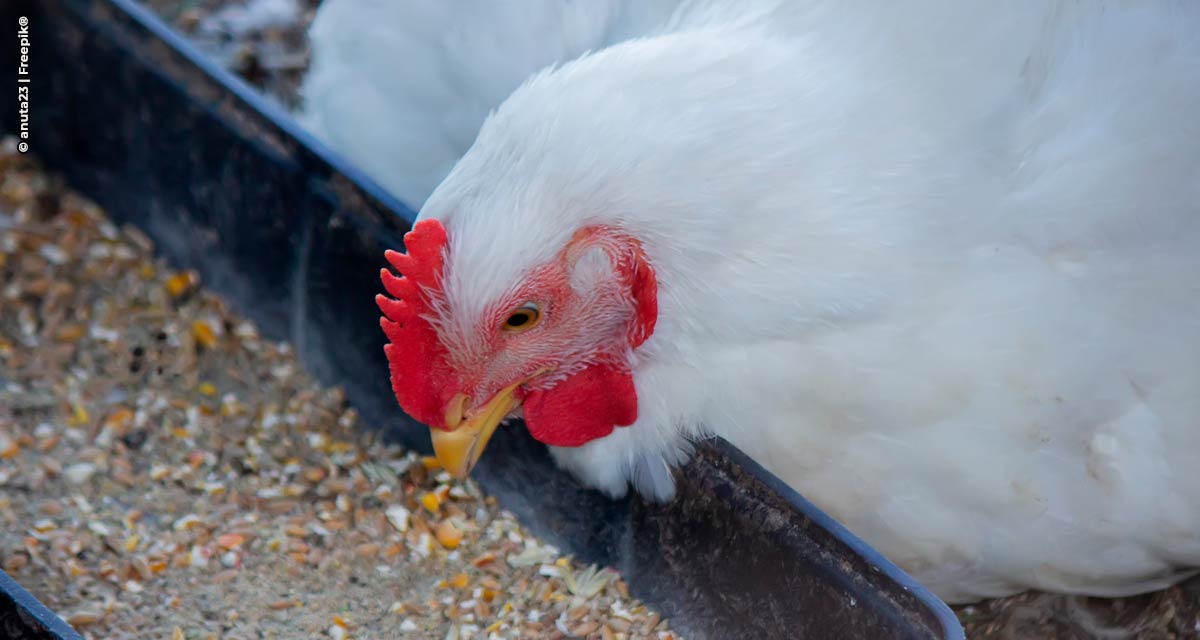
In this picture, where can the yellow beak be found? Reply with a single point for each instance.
(459, 448)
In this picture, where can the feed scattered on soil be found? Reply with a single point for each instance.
(167, 472)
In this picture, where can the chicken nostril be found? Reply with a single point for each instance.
(456, 409)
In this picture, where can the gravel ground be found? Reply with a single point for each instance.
(165, 472)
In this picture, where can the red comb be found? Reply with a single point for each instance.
(415, 355)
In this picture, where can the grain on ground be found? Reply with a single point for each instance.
(166, 471)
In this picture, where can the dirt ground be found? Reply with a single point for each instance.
(165, 472)
(1173, 614)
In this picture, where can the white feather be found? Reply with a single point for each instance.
(934, 264)
(401, 86)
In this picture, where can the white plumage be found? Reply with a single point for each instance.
(936, 265)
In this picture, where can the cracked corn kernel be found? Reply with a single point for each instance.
(484, 559)
(79, 415)
(118, 421)
(8, 447)
(69, 333)
(204, 334)
(181, 283)
(431, 501)
(84, 618)
(448, 535)
(230, 540)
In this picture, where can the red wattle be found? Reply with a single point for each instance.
(585, 406)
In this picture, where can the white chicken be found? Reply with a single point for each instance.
(934, 264)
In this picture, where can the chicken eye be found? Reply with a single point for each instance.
(524, 318)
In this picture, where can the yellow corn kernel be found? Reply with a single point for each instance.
(204, 334)
(431, 501)
(448, 535)
(181, 283)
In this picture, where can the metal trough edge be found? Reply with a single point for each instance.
(23, 617)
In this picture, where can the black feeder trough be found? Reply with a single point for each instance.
(131, 115)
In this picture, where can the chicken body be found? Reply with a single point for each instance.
(936, 266)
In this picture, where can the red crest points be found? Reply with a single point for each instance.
(415, 355)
